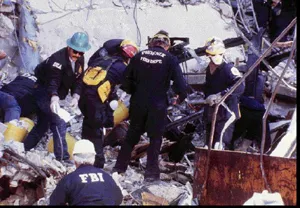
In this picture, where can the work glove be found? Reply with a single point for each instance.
(213, 99)
(54, 105)
(114, 104)
(74, 101)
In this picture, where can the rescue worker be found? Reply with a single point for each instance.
(8, 105)
(147, 79)
(87, 185)
(56, 76)
(21, 88)
(282, 13)
(109, 66)
(252, 106)
(220, 77)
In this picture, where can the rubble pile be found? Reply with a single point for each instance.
(28, 178)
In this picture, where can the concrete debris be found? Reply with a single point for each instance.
(168, 191)
(28, 178)
(152, 200)
(7, 8)
(6, 26)
(265, 198)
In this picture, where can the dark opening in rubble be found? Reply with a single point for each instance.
(25, 193)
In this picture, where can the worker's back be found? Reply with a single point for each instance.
(87, 185)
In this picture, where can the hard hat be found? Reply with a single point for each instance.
(84, 146)
(79, 42)
(129, 48)
(215, 46)
(160, 37)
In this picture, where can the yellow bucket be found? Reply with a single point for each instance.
(17, 133)
(29, 122)
(121, 113)
(70, 142)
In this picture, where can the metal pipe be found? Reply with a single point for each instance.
(263, 60)
(230, 92)
(271, 101)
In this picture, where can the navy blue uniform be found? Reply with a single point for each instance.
(21, 88)
(147, 79)
(87, 185)
(223, 78)
(96, 113)
(279, 21)
(109, 48)
(252, 108)
(55, 76)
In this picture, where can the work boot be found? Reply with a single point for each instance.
(151, 181)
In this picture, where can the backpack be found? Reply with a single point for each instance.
(95, 76)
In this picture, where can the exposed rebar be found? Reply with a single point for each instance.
(230, 92)
(273, 96)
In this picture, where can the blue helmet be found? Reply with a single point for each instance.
(79, 42)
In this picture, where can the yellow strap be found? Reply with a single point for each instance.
(94, 75)
(104, 90)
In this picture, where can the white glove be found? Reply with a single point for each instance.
(113, 105)
(213, 99)
(54, 105)
(74, 101)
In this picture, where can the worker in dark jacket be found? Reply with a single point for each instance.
(282, 13)
(252, 106)
(111, 60)
(87, 185)
(147, 79)
(22, 88)
(56, 76)
(9, 107)
(220, 77)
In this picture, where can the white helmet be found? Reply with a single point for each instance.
(84, 146)
(215, 46)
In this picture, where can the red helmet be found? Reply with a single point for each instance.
(129, 48)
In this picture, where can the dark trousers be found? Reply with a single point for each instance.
(9, 106)
(149, 119)
(250, 127)
(96, 116)
(46, 118)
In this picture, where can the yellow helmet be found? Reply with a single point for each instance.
(160, 37)
(215, 46)
(129, 48)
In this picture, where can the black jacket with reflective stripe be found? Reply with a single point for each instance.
(57, 75)
(148, 76)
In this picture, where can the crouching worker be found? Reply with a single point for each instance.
(87, 185)
(220, 78)
(9, 107)
(105, 71)
(22, 88)
(56, 76)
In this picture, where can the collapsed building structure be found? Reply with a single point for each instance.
(191, 172)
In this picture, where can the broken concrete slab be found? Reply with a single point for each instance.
(165, 190)
(7, 8)
(6, 26)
